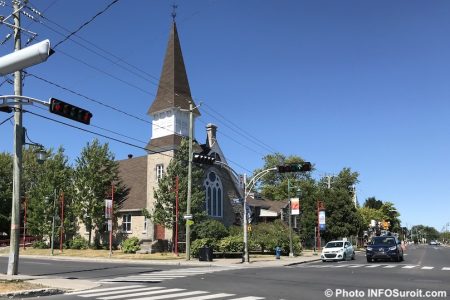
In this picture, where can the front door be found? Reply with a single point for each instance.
(160, 232)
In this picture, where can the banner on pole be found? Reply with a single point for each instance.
(110, 225)
(322, 220)
(295, 206)
(108, 209)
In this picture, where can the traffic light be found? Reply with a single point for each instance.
(203, 159)
(6, 109)
(70, 111)
(300, 167)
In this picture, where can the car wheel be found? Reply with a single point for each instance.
(353, 256)
(344, 257)
(369, 260)
(323, 260)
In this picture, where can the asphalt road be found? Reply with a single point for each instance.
(425, 269)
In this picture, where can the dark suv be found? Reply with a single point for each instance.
(384, 247)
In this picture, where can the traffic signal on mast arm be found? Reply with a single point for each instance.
(70, 111)
(203, 159)
(6, 109)
(300, 167)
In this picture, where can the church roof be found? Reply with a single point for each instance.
(173, 89)
(133, 172)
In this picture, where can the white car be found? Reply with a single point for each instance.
(338, 250)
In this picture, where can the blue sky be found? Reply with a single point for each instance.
(359, 84)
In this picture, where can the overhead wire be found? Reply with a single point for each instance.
(258, 142)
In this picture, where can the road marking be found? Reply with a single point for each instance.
(170, 296)
(215, 296)
(389, 266)
(248, 298)
(128, 296)
(445, 269)
(97, 294)
(427, 268)
(106, 289)
(373, 266)
(355, 266)
(408, 267)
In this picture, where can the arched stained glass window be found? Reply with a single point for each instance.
(214, 195)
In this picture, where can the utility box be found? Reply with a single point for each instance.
(205, 254)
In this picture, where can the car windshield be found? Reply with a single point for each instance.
(334, 244)
(383, 241)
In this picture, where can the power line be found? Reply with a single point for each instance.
(86, 23)
(4, 121)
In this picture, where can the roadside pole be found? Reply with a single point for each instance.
(189, 187)
(13, 262)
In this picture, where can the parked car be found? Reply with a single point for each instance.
(384, 247)
(338, 250)
(434, 243)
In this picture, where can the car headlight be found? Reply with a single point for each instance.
(369, 248)
(393, 248)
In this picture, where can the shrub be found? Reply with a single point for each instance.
(40, 245)
(210, 229)
(267, 236)
(200, 243)
(79, 242)
(131, 245)
(231, 244)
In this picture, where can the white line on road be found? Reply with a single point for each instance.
(445, 269)
(373, 266)
(170, 296)
(109, 292)
(127, 296)
(389, 266)
(408, 267)
(427, 268)
(106, 289)
(213, 296)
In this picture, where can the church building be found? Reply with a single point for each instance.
(169, 112)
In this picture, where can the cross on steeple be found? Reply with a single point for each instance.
(174, 11)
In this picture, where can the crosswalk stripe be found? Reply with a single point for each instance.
(170, 296)
(94, 294)
(106, 289)
(427, 268)
(206, 297)
(408, 267)
(355, 266)
(373, 266)
(389, 266)
(445, 269)
(141, 294)
(249, 298)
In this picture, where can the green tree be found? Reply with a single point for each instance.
(94, 173)
(391, 214)
(373, 203)
(368, 214)
(5, 192)
(43, 184)
(164, 210)
(342, 217)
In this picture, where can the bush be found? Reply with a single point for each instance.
(267, 236)
(210, 228)
(78, 242)
(40, 245)
(231, 244)
(200, 243)
(131, 245)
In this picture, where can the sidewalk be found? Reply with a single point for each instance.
(56, 285)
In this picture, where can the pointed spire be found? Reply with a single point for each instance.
(173, 89)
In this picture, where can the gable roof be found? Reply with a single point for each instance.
(133, 172)
(173, 89)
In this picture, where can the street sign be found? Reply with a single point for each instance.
(187, 217)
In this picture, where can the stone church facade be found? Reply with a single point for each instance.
(169, 112)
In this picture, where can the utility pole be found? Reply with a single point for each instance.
(13, 262)
(291, 252)
(189, 189)
(245, 221)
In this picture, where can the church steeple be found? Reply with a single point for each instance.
(173, 89)
(169, 109)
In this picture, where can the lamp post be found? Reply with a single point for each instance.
(291, 251)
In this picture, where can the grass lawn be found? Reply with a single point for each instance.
(17, 285)
(97, 253)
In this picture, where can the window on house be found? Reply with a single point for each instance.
(214, 195)
(126, 223)
(159, 171)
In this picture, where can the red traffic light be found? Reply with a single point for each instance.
(70, 111)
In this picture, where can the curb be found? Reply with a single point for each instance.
(32, 293)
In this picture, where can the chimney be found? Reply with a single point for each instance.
(211, 130)
(130, 156)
